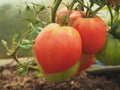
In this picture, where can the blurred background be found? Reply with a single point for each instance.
(11, 22)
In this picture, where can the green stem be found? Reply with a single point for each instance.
(54, 9)
(18, 47)
(82, 8)
(88, 8)
(34, 67)
(15, 54)
(111, 15)
(70, 10)
(91, 3)
(96, 10)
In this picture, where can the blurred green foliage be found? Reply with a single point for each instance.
(11, 23)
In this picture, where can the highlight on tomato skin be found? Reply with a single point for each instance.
(57, 48)
(85, 62)
(93, 33)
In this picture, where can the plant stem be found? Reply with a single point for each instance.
(96, 10)
(15, 54)
(70, 10)
(88, 8)
(54, 9)
(34, 67)
(111, 15)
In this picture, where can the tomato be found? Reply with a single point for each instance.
(110, 54)
(85, 62)
(92, 32)
(57, 48)
(62, 15)
(112, 2)
(60, 76)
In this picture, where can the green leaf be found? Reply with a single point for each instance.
(4, 42)
(32, 20)
(22, 68)
(25, 44)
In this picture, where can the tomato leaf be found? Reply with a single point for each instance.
(26, 44)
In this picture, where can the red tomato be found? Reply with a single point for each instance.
(85, 62)
(57, 48)
(112, 2)
(64, 12)
(92, 32)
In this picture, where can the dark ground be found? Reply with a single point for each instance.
(9, 80)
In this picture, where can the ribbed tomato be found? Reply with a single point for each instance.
(92, 32)
(110, 53)
(62, 15)
(57, 48)
(85, 62)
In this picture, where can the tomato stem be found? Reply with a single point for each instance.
(15, 54)
(88, 8)
(80, 7)
(90, 13)
(96, 10)
(54, 9)
(111, 15)
(70, 10)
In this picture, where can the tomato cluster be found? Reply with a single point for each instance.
(62, 51)
(92, 31)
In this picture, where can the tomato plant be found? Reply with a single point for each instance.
(93, 33)
(66, 43)
(54, 48)
(85, 62)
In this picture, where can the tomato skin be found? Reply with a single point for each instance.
(64, 11)
(85, 62)
(60, 76)
(57, 48)
(110, 53)
(92, 32)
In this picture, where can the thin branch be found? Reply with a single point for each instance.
(15, 54)
(111, 15)
(54, 9)
(70, 10)
(82, 4)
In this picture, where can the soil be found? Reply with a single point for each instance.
(10, 80)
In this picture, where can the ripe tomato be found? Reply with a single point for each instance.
(85, 62)
(57, 48)
(110, 53)
(92, 32)
(62, 15)
(60, 76)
